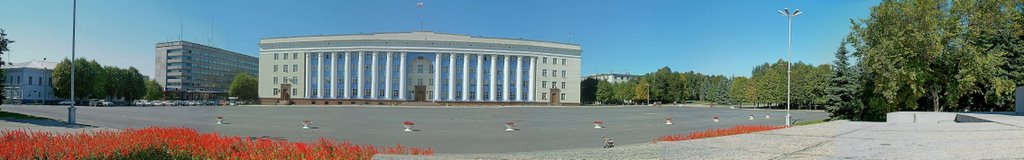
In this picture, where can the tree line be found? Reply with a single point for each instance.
(765, 88)
(93, 81)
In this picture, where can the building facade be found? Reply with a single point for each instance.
(188, 70)
(29, 83)
(612, 77)
(417, 66)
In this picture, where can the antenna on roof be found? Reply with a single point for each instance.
(568, 38)
(181, 28)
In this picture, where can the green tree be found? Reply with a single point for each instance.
(738, 90)
(588, 90)
(88, 83)
(605, 93)
(4, 42)
(244, 87)
(641, 91)
(153, 90)
(842, 102)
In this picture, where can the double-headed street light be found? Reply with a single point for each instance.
(789, 63)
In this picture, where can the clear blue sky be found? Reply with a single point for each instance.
(714, 37)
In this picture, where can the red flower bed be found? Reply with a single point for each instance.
(178, 143)
(408, 123)
(740, 129)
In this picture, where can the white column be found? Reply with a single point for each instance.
(306, 73)
(479, 77)
(373, 76)
(347, 82)
(451, 76)
(401, 77)
(359, 76)
(519, 78)
(533, 73)
(387, 76)
(334, 75)
(504, 80)
(465, 77)
(437, 76)
(494, 78)
(320, 75)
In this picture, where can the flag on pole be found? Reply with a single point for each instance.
(419, 5)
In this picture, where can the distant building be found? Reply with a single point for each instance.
(29, 83)
(188, 70)
(613, 77)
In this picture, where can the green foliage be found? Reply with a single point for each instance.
(4, 42)
(842, 101)
(153, 90)
(244, 87)
(588, 90)
(97, 82)
(939, 55)
(670, 87)
(605, 93)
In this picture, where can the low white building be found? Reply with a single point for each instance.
(29, 83)
(612, 77)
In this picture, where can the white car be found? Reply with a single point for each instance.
(64, 103)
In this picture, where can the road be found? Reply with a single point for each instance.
(446, 130)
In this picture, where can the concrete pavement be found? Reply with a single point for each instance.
(446, 130)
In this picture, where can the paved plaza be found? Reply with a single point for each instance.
(462, 130)
(1001, 139)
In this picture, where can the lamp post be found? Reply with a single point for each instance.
(789, 63)
(71, 109)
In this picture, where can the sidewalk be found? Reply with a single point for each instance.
(47, 125)
(830, 140)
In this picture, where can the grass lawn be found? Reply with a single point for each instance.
(801, 123)
(11, 115)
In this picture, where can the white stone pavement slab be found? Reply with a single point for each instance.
(830, 140)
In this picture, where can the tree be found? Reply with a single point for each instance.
(642, 91)
(738, 90)
(244, 87)
(87, 81)
(588, 89)
(153, 90)
(842, 102)
(4, 42)
(605, 92)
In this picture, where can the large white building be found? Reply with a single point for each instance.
(391, 68)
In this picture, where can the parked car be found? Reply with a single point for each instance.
(64, 103)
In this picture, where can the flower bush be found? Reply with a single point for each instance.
(178, 143)
(740, 129)
(408, 123)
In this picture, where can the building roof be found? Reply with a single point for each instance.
(614, 74)
(423, 35)
(33, 64)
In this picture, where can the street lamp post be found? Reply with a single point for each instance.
(789, 64)
(71, 109)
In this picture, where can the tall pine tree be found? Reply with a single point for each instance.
(842, 88)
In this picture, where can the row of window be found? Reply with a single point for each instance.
(553, 60)
(285, 55)
(554, 73)
(40, 81)
(295, 68)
